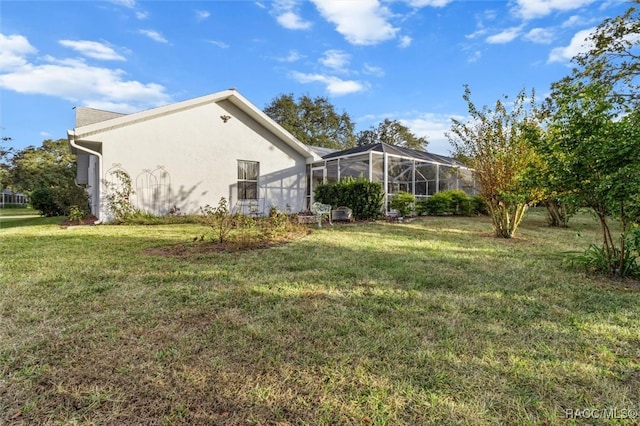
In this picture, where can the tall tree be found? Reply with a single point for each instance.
(497, 144)
(313, 121)
(593, 139)
(392, 132)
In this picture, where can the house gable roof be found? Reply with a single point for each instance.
(230, 95)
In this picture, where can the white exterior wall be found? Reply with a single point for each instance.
(189, 159)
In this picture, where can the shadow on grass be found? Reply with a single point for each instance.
(416, 323)
(17, 221)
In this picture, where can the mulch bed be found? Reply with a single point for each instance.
(86, 221)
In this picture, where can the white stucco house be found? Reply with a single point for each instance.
(190, 154)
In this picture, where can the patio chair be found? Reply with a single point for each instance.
(320, 211)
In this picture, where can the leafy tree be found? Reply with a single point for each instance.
(497, 144)
(592, 145)
(595, 156)
(392, 132)
(313, 121)
(613, 58)
(50, 166)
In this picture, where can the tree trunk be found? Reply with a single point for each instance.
(506, 218)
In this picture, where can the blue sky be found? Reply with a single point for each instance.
(404, 60)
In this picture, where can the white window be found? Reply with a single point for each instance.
(248, 172)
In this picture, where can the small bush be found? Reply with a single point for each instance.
(461, 203)
(438, 204)
(58, 201)
(76, 214)
(42, 199)
(452, 202)
(403, 202)
(219, 219)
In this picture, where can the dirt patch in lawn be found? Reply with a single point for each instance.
(202, 246)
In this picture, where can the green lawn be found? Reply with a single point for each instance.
(428, 322)
(11, 218)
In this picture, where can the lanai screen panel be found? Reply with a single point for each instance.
(332, 171)
(426, 179)
(377, 167)
(467, 182)
(355, 167)
(448, 178)
(400, 171)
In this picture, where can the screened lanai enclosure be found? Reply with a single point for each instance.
(398, 169)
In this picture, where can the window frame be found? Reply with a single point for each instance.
(245, 181)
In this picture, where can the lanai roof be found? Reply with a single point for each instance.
(395, 150)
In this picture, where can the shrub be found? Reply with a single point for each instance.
(454, 202)
(403, 202)
(58, 201)
(42, 199)
(364, 198)
(461, 203)
(76, 214)
(438, 204)
(218, 219)
(118, 194)
(479, 205)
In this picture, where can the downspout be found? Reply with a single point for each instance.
(71, 136)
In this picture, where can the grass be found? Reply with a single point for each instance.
(428, 322)
(15, 217)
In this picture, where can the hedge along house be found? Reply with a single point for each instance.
(398, 169)
(190, 154)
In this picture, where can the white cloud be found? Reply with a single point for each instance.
(126, 3)
(505, 36)
(578, 44)
(292, 21)
(335, 59)
(540, 35)
(154, 35)
(141, 15)
(432, 3)
(286, 12)
(201, 15)
(260, 5)
(293, 56)
(74, 80)
(13, 51)
(220, 44)
(405, 41)
(530, 9)
(433, 127)
(334, 85)
(572, 21)
(477, 33)
(373, 70)
(361, 22)
(93, 49)
(475, 56)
